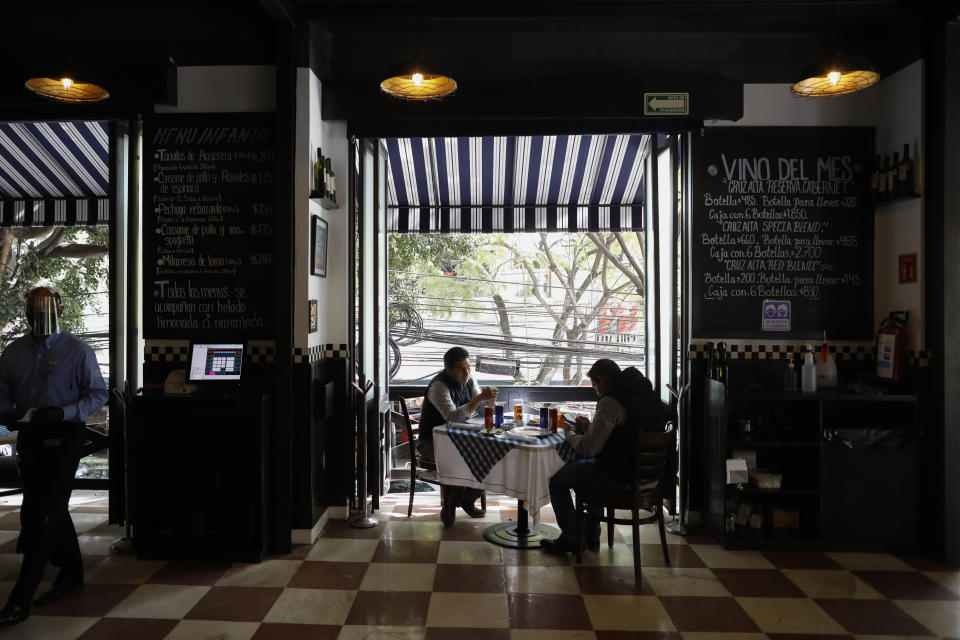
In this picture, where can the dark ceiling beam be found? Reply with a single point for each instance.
(280, 10)
(514, 9)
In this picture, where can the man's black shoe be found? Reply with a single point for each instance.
(593, 545)
(13, 614)
(57, 591)
(556, 546)
(471, 509)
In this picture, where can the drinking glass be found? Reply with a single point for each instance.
(518, 410)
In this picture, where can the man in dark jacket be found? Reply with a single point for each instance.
(627, 403)
(452, 396)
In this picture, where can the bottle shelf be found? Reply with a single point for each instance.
(324, 202)
(755, 491)
(746, 444)
(884, 203)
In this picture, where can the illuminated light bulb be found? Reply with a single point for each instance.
(833, 77)
(67, 83)
(417, 79)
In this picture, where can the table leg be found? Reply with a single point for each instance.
(519, 534)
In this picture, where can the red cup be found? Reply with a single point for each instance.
(488, 417)
(553, 420)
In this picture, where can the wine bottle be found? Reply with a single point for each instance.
(906, 172)
(893, 184)
(917, 169)
(711, 357)
(328, 172)
(882, 180)
(875, 180)
(721, 363)
(317, 173)
(333, 182)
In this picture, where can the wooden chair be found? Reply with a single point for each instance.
(651, 454)
(419, 468)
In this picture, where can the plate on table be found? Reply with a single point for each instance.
(531, 431)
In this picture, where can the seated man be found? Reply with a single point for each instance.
(452, 396)
(627, 403)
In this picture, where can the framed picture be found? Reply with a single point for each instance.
(318, 266)
(312, 315)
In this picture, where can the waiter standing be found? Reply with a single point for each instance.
(49, 383)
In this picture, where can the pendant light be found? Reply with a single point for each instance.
(418, 79)
(67, 89)
(418, 85)
(836, 75)
(414, 81)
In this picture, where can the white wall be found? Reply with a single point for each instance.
(331, 292)
(224, 89)
(895, 107)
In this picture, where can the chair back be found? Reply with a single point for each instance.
(652, 449)
(402, 419)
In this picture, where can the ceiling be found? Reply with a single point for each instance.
(524, 49)
(753, 41)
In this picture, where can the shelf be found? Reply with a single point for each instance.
(883, 203)
(754, 491)
(740, 394)
(325, 203)
(770, 443)
(747, 538)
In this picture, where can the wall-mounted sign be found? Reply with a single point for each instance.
(775, 315)
(208, 225)
(908, 268)
(666, 104)
(782, 214)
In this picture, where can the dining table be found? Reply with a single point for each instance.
(511, 464)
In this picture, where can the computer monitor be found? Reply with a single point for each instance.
(215, 362)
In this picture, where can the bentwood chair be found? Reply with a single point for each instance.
(645, 492)
(420, 468)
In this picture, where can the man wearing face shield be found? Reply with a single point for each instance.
(49, 383)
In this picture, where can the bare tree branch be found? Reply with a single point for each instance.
(50, 242)
(637, 282)
(641, 273)
(77, 251)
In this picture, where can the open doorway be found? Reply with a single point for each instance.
(539, 254)
(59, 185)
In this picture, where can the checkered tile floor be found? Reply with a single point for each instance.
(413, 579)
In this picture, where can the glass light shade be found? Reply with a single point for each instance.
(836, 78)
(67, 90)
(419, 86)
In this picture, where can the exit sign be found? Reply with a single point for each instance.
(666, 104)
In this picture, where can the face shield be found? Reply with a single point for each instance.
(43, 316)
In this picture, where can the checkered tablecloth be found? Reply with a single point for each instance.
(503, 464)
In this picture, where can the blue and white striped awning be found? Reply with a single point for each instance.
(516, 183)
(54, 173)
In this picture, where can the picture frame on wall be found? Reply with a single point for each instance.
(318, 265)
(312, 315)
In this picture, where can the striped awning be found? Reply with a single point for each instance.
(54, 173)
(516, 183)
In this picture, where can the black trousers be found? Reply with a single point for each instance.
(49, 456)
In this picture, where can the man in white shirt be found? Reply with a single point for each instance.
(452, 396)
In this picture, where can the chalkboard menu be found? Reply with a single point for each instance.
(782, 233)
(207, 230)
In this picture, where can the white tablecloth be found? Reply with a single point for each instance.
(523, 473)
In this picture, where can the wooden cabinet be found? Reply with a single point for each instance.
(825, 487)
(198, 472)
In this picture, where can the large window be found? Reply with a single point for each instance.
(532, 308)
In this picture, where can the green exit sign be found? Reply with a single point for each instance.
(666, 104)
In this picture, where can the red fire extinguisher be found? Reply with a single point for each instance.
(889, 347)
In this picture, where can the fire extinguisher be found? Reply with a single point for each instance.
(889, 347)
